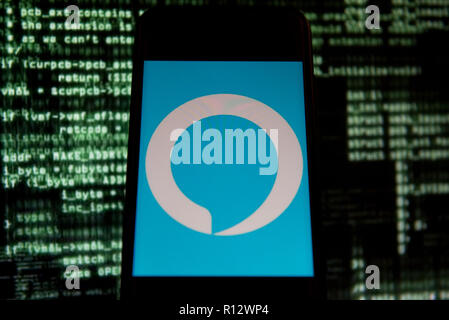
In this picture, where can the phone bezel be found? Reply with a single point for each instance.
(266, 36)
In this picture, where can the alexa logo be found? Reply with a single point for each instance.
(285, 160)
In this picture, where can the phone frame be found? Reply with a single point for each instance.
(260, 34)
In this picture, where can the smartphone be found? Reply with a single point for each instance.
(220, 183)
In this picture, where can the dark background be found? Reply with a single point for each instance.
(383, 102)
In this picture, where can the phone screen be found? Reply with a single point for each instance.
(223, 186)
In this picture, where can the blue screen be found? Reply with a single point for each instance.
(223, 187)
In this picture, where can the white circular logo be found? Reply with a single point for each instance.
(196, 217)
